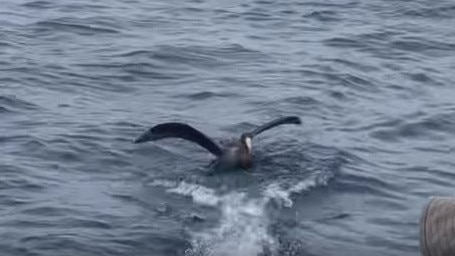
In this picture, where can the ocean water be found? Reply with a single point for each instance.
(373, 82)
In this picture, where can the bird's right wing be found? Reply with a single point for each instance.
(182, 131)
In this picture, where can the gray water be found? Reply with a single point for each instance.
(373, 82)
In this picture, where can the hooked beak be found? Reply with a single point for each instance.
(248, 143)
(146, 136)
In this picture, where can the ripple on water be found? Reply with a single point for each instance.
(12, 104)
(325, 16)
(429, 128)
(39, 4)
(73, 26)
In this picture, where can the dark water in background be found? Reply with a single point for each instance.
(373, 82)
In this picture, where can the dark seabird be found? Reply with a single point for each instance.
(236, 154)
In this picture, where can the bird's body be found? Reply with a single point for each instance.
(235, 154)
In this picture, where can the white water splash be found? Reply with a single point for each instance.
(242, 228)
(282, 191)
(199, 194)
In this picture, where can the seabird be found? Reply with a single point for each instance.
(236, 154)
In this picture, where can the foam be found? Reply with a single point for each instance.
(199, 193)
(281, 191)
(243, 225)
(242, 229)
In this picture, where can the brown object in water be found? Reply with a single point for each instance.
(437, 227)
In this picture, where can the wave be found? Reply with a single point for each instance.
(429, 128)
(434, 12)
(204, 95)
(38, 4)
(10, 104)
(323, 16)
(73, 26)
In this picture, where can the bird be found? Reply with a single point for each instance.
(236, 154)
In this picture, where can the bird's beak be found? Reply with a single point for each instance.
(248, 144)
(146, 136)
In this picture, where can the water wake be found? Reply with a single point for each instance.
(243, 226)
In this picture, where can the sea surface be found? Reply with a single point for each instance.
(373, 82)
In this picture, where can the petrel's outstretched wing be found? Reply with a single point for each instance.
(275, 123)
(182, 131)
